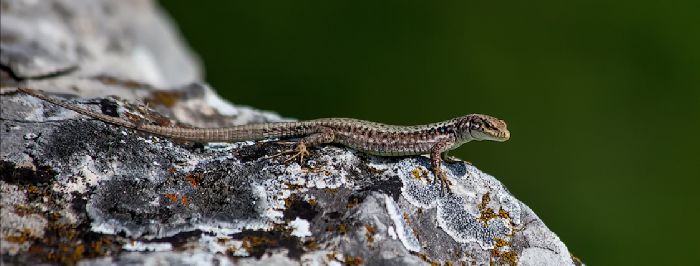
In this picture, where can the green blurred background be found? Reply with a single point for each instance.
(602, 97)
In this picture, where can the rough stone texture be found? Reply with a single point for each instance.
(129, 39)
(75, 190)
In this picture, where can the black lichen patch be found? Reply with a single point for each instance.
(104, 143)
(298, 207)
(333, 216)
(260, 150)
(154, 209)
(12, 174)
(224, 191)
(391, 186)
(256, 242)
(127, 200)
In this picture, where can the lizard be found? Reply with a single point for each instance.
(435, 139)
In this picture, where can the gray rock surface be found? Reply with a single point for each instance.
(129, 39)
(75, 190)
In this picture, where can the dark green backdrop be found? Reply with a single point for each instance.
(602, 97)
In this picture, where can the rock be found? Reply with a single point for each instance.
(76, 190)
(129, 39)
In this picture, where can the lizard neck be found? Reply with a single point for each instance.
(462, 133)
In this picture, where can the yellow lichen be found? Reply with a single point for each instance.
(485, 199)
(501, 243)
(312, 202)
(503, 214)
(343, 228)
(23, 236)
(486, 215)
(509, 257)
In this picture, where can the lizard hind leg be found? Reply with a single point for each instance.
(321, 135)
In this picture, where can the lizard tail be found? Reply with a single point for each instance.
(83, 111)
(236, 133)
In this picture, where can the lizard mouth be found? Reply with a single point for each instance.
(495, 136)
(505, 135)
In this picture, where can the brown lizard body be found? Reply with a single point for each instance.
(374, 138)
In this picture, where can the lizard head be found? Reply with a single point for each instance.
(484, 127)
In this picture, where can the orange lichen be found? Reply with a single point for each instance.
(369, 234)
(171, 197)
(349, 260)
(184, 199)
(194, 179)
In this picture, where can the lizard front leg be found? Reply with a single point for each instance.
(321, 135)
(436, 161)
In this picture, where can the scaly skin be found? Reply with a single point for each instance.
(369, 137)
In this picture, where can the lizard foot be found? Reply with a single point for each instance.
(300, 151)
(444, 182)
